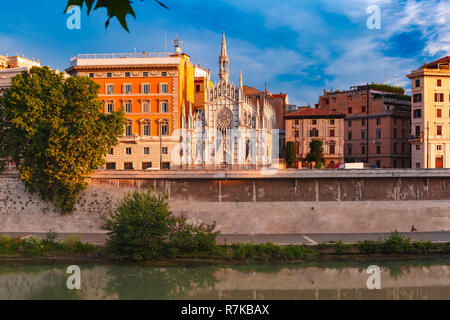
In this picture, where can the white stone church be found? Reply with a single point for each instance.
(233, 131)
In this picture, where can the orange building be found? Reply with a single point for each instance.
(152, 89)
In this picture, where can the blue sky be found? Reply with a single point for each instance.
(298, 47)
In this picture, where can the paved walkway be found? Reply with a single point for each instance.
(280, 239)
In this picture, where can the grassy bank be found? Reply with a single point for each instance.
(394, 247)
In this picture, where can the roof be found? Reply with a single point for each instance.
(439, 61)
(313, 113)
(250, 91)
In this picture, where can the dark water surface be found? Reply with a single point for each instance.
(412, 279)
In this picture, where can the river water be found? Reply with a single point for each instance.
(412, 279)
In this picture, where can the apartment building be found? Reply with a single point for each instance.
(12, 66)
(377, 124)
(309, 124)
(430, 116)
(154, 90)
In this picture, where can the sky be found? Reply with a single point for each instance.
(298, 47)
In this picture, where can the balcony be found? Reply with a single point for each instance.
(130, 139)
(415, 139)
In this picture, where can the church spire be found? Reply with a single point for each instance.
(224, 61)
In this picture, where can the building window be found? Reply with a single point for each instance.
(363, 135)
(129, 128)
(128, 150)
(417, 165)
(197, 88)
(438, 113)
(146, 128)
(418, 147)
(363, 108)
(417, 113)
(110, 107)
(349, 110)
(314, 122)
(378, 149)
(439, 147)
(127, 88)
(145, 74)
(417, 131)
(164, 129)
(332, 121)
(349, 123)
(363, 149)
(395, 163)
(417, 83)
(395, 132)
(314, 133)
(146, 165)
(111, 151)
(146, 150)
(333, 100)
(363, 122)
(378, 163)
(165, 166)
(439, 130)
(111, 166)
(331, 132)
(109, 89)
(439, 83)
(164, 107)
(109, 75)
(128, 107)
(146, 106)
(417, 97)
(378, 134)
(128, 165)
(164, 74)
(165, 150)
(378, 121)
(439, 97)
(403, 147)
(332, 149)
(164, 88)
(395, 147)
(350, 149)
(349, 135)
(91, 75)
(145, 88)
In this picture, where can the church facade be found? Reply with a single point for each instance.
(233, 131)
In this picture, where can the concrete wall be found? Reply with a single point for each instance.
(248, 203)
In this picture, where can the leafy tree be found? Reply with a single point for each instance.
(53, 128)
(142, 227)
(115, 8)
(316, 153)
(290, 153)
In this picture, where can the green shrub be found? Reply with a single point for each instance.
(33, 247)
(290, 154)
(142, 227)
(396, 243)
(341, 247)
(368, 246)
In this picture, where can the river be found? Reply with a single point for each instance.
(413, 279)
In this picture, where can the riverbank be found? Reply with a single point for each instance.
(396, 246)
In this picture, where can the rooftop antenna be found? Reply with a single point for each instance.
(165, 41)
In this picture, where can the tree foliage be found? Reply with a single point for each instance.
(316, 153)
(290, 153)
(115, 8)
(53, 127)
(142, 227)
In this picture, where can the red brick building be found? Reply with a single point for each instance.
(377, 124)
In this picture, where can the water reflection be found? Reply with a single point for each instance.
(399, 280)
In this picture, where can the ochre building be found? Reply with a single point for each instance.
(430, 115)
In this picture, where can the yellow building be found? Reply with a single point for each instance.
(430, 115)
(154, 90)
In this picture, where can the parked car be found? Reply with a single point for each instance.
(352, 166)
